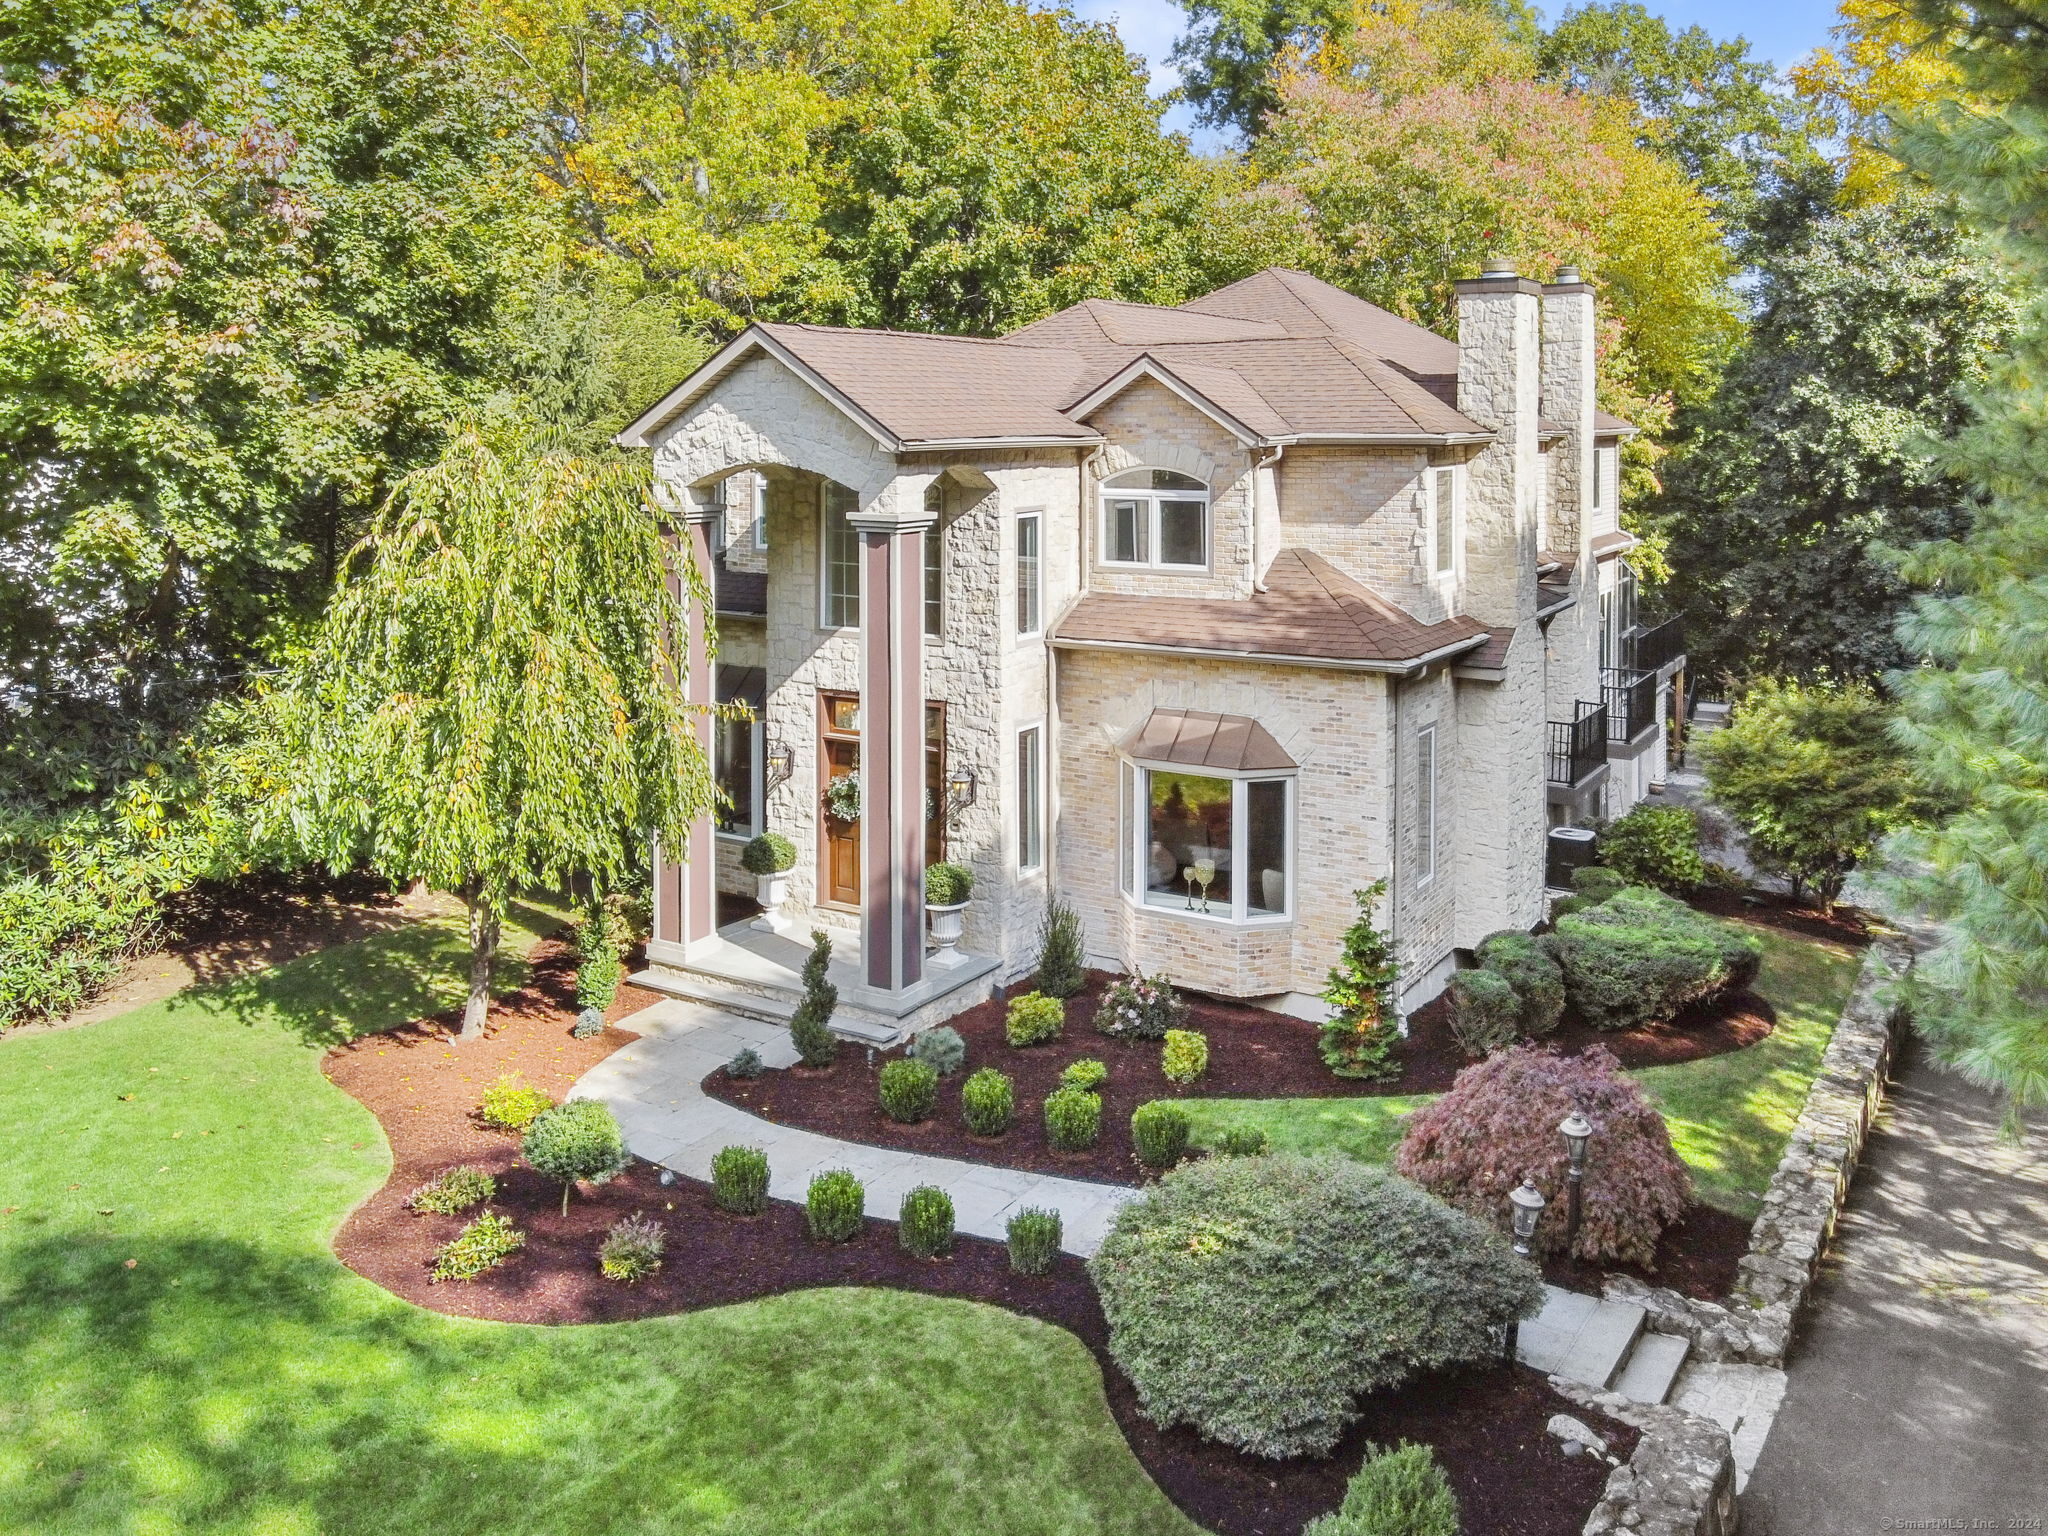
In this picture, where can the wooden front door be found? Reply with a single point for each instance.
(838, 756)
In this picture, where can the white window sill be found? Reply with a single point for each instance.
(1211, 919)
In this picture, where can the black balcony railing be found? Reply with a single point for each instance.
(1631, 700)
(1578, 747)
(1653, 648)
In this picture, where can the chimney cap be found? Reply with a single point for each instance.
(1498, 266)
(1567, 274)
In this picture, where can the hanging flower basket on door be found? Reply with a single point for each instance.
(842, 797)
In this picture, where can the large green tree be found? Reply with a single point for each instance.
(1869, 331)
(250, 259)
(492, 700)
(1976, 716)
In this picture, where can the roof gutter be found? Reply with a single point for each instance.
(953, 444)
(1413, 666)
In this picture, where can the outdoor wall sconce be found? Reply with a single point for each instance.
(779, 763)
(959, 791)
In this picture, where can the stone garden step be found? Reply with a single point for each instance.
(1580, 1338)
(1652, 1366)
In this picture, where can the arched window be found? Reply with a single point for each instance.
(1156, 518)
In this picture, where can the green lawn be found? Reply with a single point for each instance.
(1729, 1115)
(184, 1354)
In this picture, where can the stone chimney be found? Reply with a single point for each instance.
(1567, 402)
(1500, 379)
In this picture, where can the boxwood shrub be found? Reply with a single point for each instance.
(1255, 1298)
(1073, 1119)
(1184, 1055)
(988, 1102)
(1086, 1073)
(1159, 1132)
(739, 1180)
(909, 1089)
(1641, 957)
(1402, 1492)
(834, 1206)
(1034, 1018)
(925, 1223)
(1033, 1239)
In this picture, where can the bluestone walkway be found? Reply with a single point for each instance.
(1919, 1390)
(653, 1087)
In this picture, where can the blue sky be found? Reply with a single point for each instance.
(1782, 31)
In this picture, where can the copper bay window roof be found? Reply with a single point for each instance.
(1194, 738)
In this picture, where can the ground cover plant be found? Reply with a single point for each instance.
(453, 1191)
(1255, 1298)
(236, 1297)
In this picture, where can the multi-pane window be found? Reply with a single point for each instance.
(1196, 842)
(839, 558)
(1028, 599)
(1444, 520)
(1030, 798)
(934, 564)
(1425, 805)
(1157, 518)
(1617, 616)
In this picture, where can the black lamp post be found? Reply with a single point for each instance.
(1525, 1206)
(1577, 1131)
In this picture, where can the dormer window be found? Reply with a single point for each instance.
(1157, 519)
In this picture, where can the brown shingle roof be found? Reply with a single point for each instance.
(737, 592)
(1606, 546)
(1309, 611)
(1198, 739)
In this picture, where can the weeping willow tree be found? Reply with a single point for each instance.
(1976, 716)
(493, 698)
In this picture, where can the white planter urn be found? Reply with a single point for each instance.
(946, 925)
(772, 891)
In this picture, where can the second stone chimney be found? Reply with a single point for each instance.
(1567, 404)
(1500, 378)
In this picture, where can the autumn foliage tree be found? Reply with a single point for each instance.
(1498, 1126)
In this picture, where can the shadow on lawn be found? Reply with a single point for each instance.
(336, 995)
(217, 1382)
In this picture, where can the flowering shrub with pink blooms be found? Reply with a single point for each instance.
(1498, 1125)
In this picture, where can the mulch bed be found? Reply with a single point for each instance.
(1487, 1424)
(1848, 925)
(1253, 1053)
(1697, 1256)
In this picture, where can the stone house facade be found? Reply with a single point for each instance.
(1202, 618)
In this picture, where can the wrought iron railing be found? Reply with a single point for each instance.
(1658, 646)
(1631, 700)
(1578, 747)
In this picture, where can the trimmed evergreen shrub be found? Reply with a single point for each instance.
(810, 1027)
(1033, 1238)
(631, 1250)
(511, 1104)
(1073, 1119)
(1402, 1492)
(739, 1180)
(925, 1224)
(1485, 1013)
(1184, 1056)
(1359, 1037)
(1528, 966)
(942, 1047)
(1655, 845)
(1596, 882)
(1034, 1018)
(1641, 957)
(575, 1142)
(768, 854)
(598, 976)
(452, 1191)
(1498, 1125)
(1241, 1141)
(1140, 1008)
(909, 1090)
(988, 1102)
(1159, 1132)
(1061, 961)
(745, 1064)
(1087, 1074)
(833, 1206)
(484, 1244)
(947, 885)
(1255, 1298)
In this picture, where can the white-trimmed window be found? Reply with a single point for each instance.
(1603, 465)
(1157, 519)
(736, 765)
(935, 562)
(760, 505)
(1031, 797)
(1029, 567)
(1446, 497)
(1204, 844)
(838, 558)
(1425, 805)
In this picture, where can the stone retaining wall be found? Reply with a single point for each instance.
(1807, 1192)
(1679, 1482)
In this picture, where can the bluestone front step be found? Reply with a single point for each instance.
(1581, 1338)
(773, 1009)
(1652, 1366)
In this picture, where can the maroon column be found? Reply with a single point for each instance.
(685, 879)
(892, 753)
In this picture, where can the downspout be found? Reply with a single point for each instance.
(1258, 565)
(1395, 683)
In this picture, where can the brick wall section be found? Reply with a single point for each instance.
(1148, 425)
(1363, 511)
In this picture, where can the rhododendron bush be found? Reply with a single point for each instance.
(1498, 1125)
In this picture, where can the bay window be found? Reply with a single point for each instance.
(1157, 518)
(1211, 845)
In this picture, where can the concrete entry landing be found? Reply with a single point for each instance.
(744, 971)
